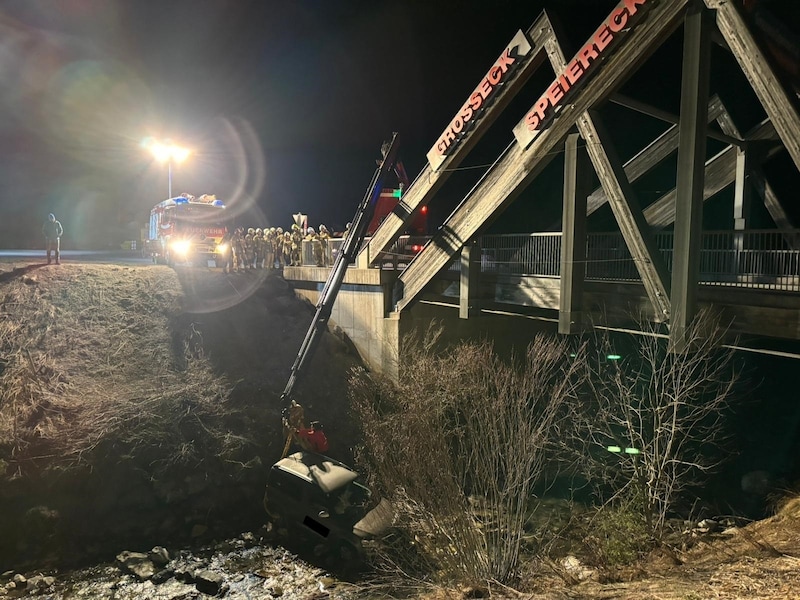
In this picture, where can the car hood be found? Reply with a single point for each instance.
(376, 521)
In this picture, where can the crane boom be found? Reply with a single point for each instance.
(346, 255)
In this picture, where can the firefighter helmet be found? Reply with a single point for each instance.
(310, 230)
(258, 230)
(279, 230)
(250, 230)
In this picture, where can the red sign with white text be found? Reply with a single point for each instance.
(501, 72)
(575, 73)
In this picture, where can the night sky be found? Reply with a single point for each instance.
(284, 104)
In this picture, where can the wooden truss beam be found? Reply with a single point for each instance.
(518, 165)
(430, 180)
(774, 97)
(720, 172)
(621, 197)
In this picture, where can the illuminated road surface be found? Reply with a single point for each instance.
(77, 256)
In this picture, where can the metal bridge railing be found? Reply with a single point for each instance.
(768, 259)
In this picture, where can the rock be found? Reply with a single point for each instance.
(162, 576)
(327, 583)
(707, 526)
(575, 568)
(276, 591)
(208, 582)
(185, 574)
(136, 563)
(159, 556)
(20, 581)
(249, 538)
(6, 576)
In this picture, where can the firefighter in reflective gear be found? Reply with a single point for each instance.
(286, 250)
(53, 231)
(269, 248)
(316, 246)
(279, 233)
(249, 249)
(238, 249)
(293, 420)
(324, 236)
(297, 244)
(258, 248)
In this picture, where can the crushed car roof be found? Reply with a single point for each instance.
(327, 473)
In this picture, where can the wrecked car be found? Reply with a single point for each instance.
(321, 500)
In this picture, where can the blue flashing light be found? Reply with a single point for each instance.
(218, 203)
(181, 200)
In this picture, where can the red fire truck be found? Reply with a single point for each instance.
(186, 229)
(386, 203)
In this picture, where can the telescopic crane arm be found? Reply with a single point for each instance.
(346, 255)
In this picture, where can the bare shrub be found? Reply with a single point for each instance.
(458, 444)
(663, 411)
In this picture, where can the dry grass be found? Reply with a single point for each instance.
(93, 356)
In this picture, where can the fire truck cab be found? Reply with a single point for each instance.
(186, 229)
(386, 203)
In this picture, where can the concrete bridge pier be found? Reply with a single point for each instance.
(359, 312)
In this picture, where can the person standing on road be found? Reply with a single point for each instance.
(53, 231)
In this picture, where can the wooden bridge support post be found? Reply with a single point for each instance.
(741, 203)
(741, 190)
(691, 171)
(470, 273)
(577, 185)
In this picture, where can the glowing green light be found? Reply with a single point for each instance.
(632, 451)
(397, 193)
(613, 356)
(572, 355)
(615, 449)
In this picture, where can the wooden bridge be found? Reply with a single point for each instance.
(661, 262)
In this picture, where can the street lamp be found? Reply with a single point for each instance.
(169, 152)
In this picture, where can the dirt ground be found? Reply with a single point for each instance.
(90, 353)
(761, 560)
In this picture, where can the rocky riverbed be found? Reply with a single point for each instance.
(245, 568)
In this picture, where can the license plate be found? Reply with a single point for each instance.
(212, 263)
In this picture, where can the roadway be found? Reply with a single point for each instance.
(121, 257)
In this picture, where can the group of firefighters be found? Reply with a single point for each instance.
(273, 248)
